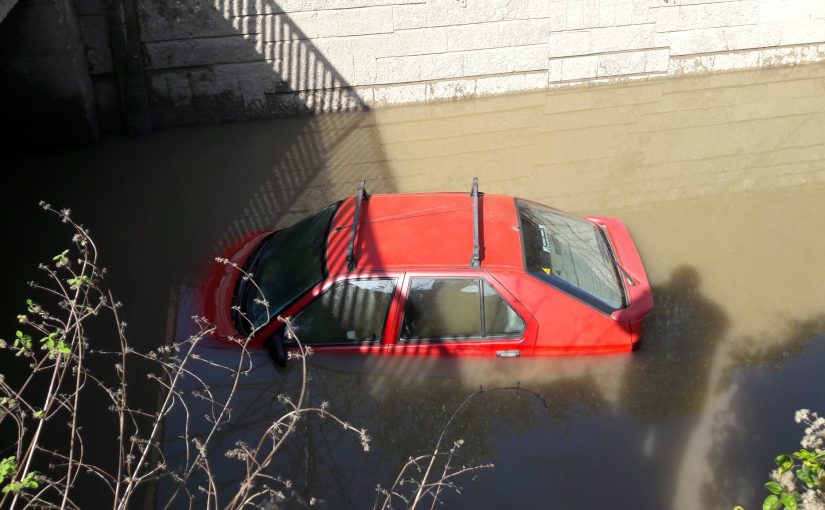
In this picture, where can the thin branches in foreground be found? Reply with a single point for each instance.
(59, 369)
(425, 477)
(61, 374)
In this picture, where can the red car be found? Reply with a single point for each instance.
(437, 274)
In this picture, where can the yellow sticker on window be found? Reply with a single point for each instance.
(547, 270)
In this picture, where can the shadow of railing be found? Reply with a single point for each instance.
(162, 206)
(236, 61)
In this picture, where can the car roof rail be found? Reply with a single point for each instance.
(475, 261)
(362, 195)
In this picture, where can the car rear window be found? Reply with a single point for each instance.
(571, 254)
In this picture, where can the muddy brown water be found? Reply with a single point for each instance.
(720, 178)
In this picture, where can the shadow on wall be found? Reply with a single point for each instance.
(227, 61)
(231, 61)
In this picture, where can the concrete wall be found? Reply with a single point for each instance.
(47, 95)
(5, 7)
(94, 31)
(242, 58)
(145, 64)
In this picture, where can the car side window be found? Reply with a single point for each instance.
(500, 320)
(442, 308)
(457, 309)
(349, 312)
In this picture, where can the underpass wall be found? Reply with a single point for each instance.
(139, 65)
(249, 58)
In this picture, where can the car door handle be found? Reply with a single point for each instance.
(514, 353)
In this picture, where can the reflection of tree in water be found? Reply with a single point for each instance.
(667, 378)
(669, 375)
(795, 337)
(769, 401)
(405, 417)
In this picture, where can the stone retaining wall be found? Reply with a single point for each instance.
(249, 58)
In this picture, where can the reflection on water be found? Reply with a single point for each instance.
(719, 178)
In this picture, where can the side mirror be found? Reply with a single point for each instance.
(274, 344)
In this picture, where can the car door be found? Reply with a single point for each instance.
(346, 314)
(464, 313)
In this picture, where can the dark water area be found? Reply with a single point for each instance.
(720, 179)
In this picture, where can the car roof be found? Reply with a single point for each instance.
(426, 231)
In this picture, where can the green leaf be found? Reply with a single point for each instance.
(789, 500)
(773, 487)
(785, 462)
(812, 465)
(771, 503)
(806, 477)
(804, 454)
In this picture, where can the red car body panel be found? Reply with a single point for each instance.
(402, 231)
(430, 235)
(640, 296)
(218, 288)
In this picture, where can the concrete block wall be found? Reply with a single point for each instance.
(229, 59)
(94, 30)
(157, 63)
(47, 97)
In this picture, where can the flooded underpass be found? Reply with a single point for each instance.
(720, 179)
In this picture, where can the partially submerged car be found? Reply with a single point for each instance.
(436, 274)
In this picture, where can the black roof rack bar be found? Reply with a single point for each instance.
(476, 260)
(360, 197)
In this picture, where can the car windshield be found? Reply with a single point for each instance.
(571, 254)
(285, 265)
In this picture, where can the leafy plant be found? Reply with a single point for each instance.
(803, 469)
(32, 480)
(63, 367)
(8, 468)
(22, 342)
(55, 344)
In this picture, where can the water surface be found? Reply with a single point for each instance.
(719, 178)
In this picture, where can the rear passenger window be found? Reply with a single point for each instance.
(499, 319)
(442, 308)
(457, 309)
(349, 312)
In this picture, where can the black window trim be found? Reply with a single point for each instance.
(515, 338)
(242, 325)
(377, 341)
(567, 288)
